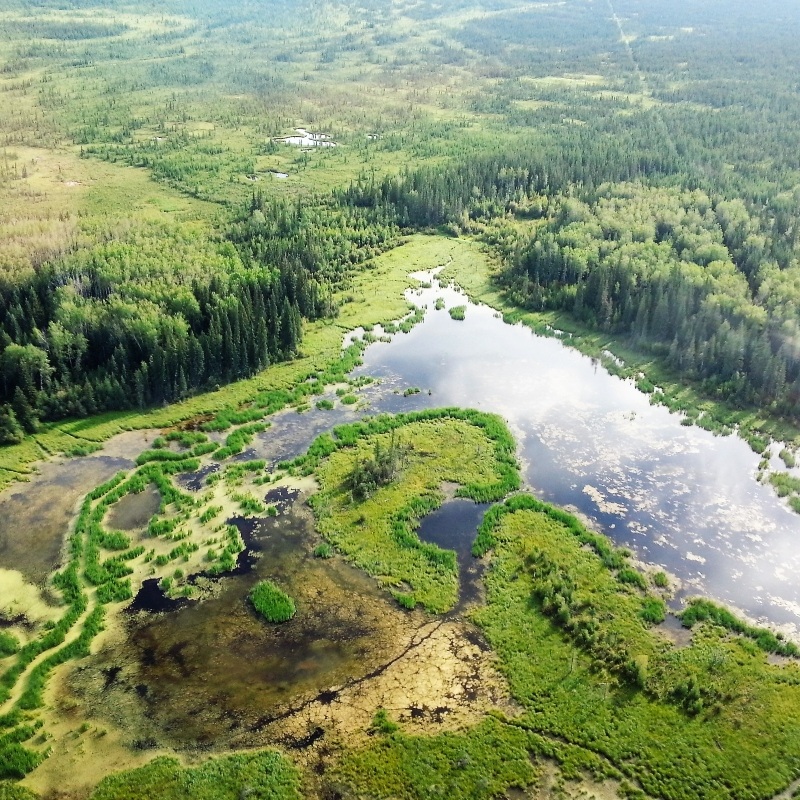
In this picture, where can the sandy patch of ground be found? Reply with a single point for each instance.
(19, 598)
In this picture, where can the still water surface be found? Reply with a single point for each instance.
(678, 496)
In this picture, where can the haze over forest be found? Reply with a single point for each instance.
(228, 552)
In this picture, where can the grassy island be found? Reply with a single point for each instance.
(272, 602)
(376, 529)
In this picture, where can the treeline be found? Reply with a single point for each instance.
(691, 279)
(155, 312)
(482, 186)
(708, 284)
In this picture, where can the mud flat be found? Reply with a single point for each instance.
(35, 515)
(209, 675)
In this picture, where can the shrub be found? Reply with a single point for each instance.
(407, 601)
(660, 579)
(381, 723)
(210, 513)
(632, 577)
(249, 504)
(653, 611)
(8, 644)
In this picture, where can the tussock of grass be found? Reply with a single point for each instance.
(248, 503)
(8, 644)
(272, 602)
(458, 312)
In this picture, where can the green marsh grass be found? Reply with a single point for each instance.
(378, 533)
(458, 312)
(580, 658)
(265, 776)
(271, 602)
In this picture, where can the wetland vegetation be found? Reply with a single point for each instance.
(622, 176)
(272, 602)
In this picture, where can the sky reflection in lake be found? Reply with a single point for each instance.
(678, 496)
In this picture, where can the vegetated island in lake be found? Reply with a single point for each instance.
(272, 603)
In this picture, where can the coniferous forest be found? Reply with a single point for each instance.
(645, 185)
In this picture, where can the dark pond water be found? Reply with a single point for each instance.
(678, 496)
(212, 672)
(453, 527)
